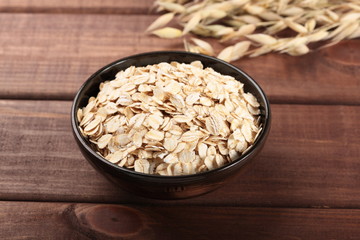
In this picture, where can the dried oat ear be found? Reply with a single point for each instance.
(171, 119)
(251, 27)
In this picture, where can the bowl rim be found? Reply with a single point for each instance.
(258, 142)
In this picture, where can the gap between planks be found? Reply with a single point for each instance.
(272, 101)
(176, 203)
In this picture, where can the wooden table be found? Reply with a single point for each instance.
(304, 185)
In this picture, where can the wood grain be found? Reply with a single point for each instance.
(311, 159)
(77, 6)
(101, 221)
(309, 166)
(48, 56)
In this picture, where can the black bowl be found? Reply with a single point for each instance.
(167, 187)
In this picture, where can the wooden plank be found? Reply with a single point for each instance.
(28, 220)
(311, 159)
(77, 6)
(48, 56)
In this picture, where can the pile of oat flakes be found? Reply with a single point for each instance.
(171, 119)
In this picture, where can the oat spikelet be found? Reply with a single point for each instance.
(262, 39)
(240, 50)
(204, 46)
(172, 7)
(295, 26)
(226, 54)
(161, 21)
(167, 32)
(194, 21)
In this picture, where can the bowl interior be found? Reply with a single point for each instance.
(91, 88)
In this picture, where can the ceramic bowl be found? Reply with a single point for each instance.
(167, 187)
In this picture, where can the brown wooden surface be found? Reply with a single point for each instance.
(306, 162)
(77, 6)
(305, 184)
(48, 56)
(101, 221)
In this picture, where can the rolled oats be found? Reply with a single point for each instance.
(171, 119)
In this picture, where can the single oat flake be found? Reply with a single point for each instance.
(171, 118)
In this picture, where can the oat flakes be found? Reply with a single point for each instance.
(171, 119)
